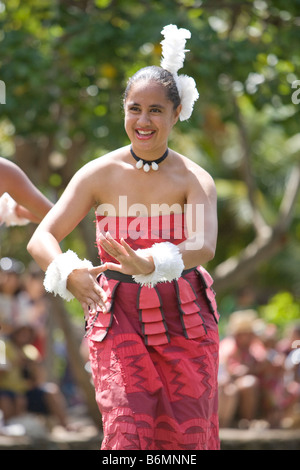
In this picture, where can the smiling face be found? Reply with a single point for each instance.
(149, 118)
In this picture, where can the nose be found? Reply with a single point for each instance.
(144, 119)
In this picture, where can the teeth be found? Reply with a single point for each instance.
(145, 132)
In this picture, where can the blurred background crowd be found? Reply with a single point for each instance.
(259, 375)
(27, 336)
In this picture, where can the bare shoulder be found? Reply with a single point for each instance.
(93, 180)
(106, 161)
(100, 167)
(12, 176)
(196, 177)
(7, 167)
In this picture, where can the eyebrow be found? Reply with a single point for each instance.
(156, 106)
(151, 105)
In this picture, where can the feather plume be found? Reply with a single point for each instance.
(173, 47)
(188, 94)
(173, 55)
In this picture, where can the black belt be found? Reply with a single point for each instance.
(128, 278)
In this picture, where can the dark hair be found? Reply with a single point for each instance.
(158, 75)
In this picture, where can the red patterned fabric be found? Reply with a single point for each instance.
(154, 360)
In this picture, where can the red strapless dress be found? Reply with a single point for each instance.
(154, 356)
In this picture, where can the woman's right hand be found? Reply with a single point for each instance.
(82, 283)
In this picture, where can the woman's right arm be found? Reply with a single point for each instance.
(71, 208)
(44, 246)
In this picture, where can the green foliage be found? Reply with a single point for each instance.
(281, 310)
(65, 64)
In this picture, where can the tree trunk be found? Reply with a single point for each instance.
(266, 244)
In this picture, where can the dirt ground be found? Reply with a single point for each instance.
(34, 433)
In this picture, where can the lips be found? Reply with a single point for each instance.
(144, 134)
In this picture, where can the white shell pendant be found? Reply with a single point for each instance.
(147, 165)
(139, 164)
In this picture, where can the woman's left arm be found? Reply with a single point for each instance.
(201, 221)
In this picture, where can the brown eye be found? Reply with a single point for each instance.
(134, 109)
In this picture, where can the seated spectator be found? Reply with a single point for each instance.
(242, 362)
(23, 386)
(290, 346)
(272, 380)
(10, 288)
(23, 300)
(35, 306)
(259, 374)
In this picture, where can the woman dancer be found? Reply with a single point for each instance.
(20, 201)
(150, 309)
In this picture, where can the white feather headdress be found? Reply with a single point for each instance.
(173, 55)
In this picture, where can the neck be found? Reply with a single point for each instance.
(149, 155)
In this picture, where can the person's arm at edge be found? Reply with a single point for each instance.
(31, 203)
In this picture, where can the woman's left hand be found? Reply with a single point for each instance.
(130, 262)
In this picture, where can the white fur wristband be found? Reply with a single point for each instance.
(8, 214)
(168, 264)
(58, 271)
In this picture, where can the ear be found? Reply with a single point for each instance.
(177, 113)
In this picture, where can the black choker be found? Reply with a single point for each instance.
(145, 164)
